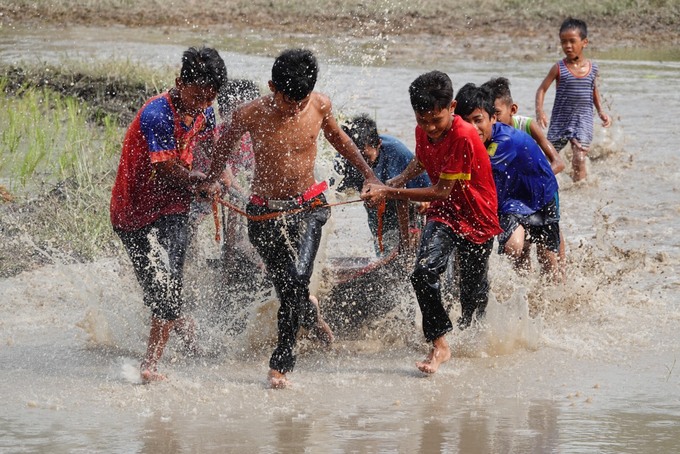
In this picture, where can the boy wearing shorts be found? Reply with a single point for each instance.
(528, 203)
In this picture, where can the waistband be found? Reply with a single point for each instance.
(289, 204)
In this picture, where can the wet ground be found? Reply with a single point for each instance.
(585, 367)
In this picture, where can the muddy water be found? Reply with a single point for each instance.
(589, 366)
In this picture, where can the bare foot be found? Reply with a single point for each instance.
(149, 375)
(277, 380)
(439, 354)
(321, 331)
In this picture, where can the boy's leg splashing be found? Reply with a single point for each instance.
(578, 160)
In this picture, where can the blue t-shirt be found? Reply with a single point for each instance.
(393, 158)
(524, 180)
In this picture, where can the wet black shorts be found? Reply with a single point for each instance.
(541, 227)
(157, 253)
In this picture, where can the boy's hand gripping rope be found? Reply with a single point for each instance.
(316, 203)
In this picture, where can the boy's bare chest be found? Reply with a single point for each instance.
(289, 136)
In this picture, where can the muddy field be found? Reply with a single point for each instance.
(408, 33)
(613, 24)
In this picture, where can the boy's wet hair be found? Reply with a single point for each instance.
(236, 92)
(294, 73)
(500, 89)
(203, 66)
(363, 131)
(471, 97)
(575, 24)
(431, 91)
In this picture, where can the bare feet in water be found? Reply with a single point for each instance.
(321, 331)
(277, 380)
(439, 354)
(149, 375)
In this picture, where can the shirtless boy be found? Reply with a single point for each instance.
(461, 216)
(284, 127)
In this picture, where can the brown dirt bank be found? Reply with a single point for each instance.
(614, 23)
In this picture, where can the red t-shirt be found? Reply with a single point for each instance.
(156, 134)
(471, 208)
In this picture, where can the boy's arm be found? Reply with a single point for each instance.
(376, 193)
(553, 75)
(606, 121)
(223, 148)
(412, 170)
(556, 162)
(178, 175)
(344, 145)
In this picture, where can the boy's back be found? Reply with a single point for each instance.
(524, 180)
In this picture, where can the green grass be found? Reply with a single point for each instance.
(59, 166)
(47, 138)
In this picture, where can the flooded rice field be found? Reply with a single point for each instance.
(588, 366)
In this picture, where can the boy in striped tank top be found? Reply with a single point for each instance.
(576, 94)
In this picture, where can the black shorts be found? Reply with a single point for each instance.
(541, 227)
(157, 253)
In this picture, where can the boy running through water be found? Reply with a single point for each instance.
(506, 112)
(528, 207)
(388, 157)
(572, 114)
(154, 188)
(461, 216)
(284, 127)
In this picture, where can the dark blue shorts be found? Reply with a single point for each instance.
(541, 227)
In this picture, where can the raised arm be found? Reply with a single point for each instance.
(376, 193)
(556, 162)
(343, 144)
(412, 170)
(553, 75)
(176, 174)
(223, 148)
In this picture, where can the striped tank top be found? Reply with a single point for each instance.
(572, 113)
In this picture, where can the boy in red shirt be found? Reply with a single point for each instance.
(462, 213)
(154, 188)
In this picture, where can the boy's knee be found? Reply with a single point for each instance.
(423, 275)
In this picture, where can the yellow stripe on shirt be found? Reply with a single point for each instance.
(454, 176)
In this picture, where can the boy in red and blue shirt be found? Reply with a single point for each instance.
(153, 190)
(462, 213)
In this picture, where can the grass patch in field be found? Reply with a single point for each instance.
(59, 167)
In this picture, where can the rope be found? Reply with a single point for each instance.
(264, 217)
(268, 216)
(216, 218)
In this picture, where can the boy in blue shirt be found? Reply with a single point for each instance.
(528, 204)
(388, 157)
